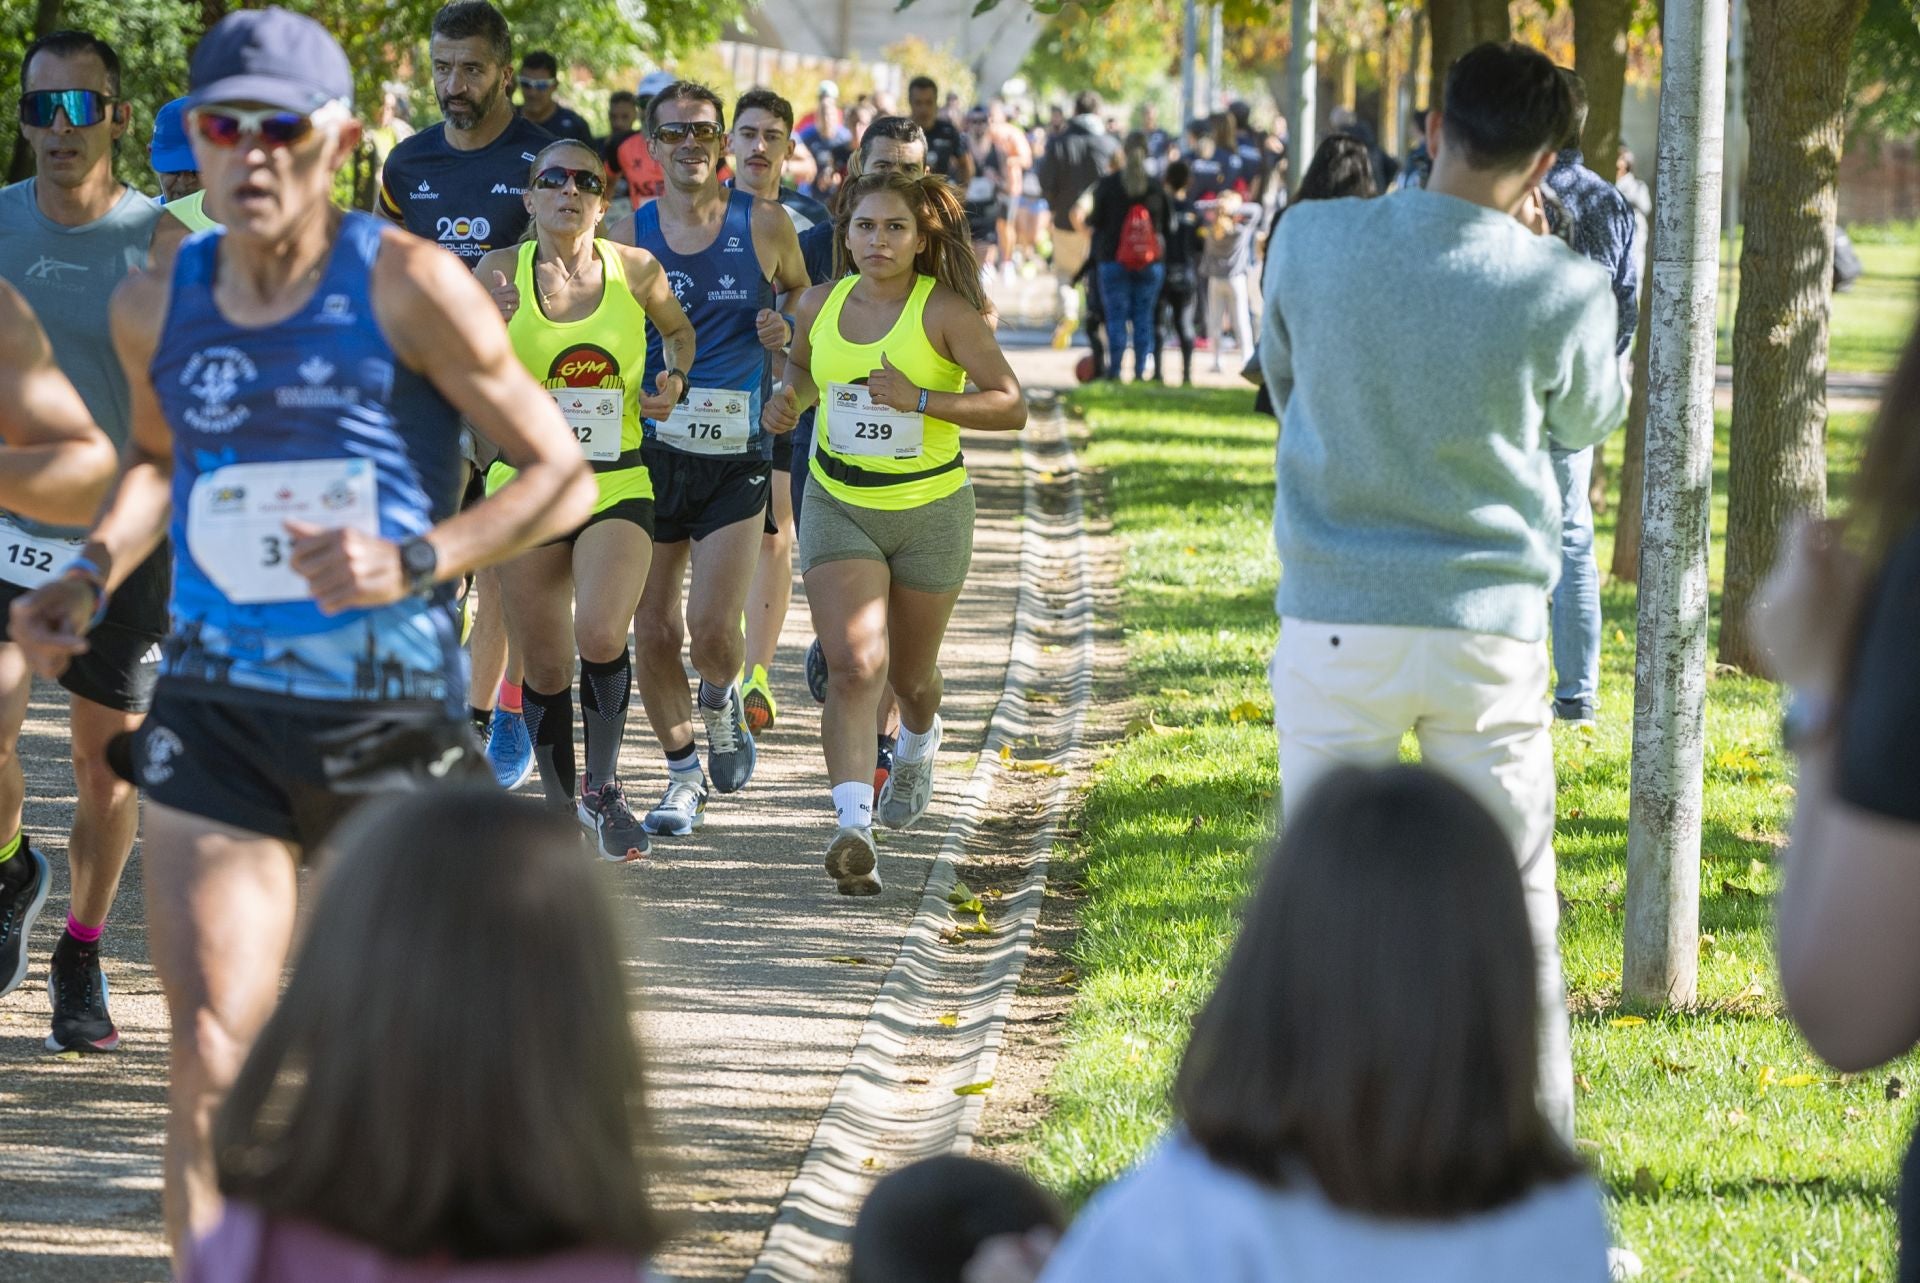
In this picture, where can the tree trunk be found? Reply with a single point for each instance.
(1457, 26)
(1600, 56)
(1420, 55)
(1303, 83)
(1626, 531)
(1661, 956)
(1798, 54)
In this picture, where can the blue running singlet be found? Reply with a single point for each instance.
(722, 288)
(313, 419)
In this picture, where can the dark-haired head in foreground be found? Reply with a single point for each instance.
(927, 1221)
(1375, 1027)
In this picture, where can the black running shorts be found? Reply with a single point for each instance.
(695, 495)
(123, 650)
(293, 769)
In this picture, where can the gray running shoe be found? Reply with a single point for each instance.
(619, 836)
(18, 908)
(730, 750)
(852, 863)
(909, 788)
(681, 809)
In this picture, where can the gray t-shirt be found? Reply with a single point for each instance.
(67, 275)
(1181, 1218)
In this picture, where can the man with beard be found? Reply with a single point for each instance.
(461, 183)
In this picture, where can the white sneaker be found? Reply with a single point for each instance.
(909, 788)
(852, 863)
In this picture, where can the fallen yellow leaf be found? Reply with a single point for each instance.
(948, 1021)
(849, 960)
(974, 1089)
(1627, 1022)
(1799, 1080)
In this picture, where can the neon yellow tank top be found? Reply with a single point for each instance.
(604, 352)
(192, 211)
(877, 480)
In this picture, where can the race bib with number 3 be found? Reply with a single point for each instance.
(594, 414)
(708, 421)
(31, 560)
(237, 515)
(856, 425)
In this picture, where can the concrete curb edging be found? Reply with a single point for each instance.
(873, 1122)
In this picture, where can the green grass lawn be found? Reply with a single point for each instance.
(1870, 321)
(1728, 1152)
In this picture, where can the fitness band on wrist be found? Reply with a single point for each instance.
(90, 572)
(923, 401)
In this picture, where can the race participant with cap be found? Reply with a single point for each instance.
(180, 193)
(298, 382)
(886, 536)
(579, 310)
(539, 74)
(462, 184)
(760, 143)
(727, 254)
(67, 236)
(635, 156)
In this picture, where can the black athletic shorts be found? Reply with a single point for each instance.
(123, 651)
(292, 769)
(638, 511)
(695, 495)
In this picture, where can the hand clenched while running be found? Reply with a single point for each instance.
(781, 412)
(659, 403)
(506, 295)
(347, 568)
(773, 330)
(49, 624)
(888, 387)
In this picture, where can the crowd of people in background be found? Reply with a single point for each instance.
(733, 334)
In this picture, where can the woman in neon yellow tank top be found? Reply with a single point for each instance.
(886, 529)
(577, 309)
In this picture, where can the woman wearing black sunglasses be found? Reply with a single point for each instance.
(577, 308)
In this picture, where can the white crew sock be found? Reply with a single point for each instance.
(853, 803)
(913, 746)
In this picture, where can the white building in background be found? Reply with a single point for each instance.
(993, 44)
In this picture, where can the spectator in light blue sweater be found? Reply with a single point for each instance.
(1417, 516)
(1357, 1102)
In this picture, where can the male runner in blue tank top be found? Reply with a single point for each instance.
(461, 184)
(67, 237)
(298, 383)
(727, 255)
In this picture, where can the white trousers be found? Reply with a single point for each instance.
(1228, 303)
(1346, 693)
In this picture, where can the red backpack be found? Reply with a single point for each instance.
(1139, 243)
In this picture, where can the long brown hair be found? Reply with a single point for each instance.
(453, 1069)
(1375, 1023)
(948, 257)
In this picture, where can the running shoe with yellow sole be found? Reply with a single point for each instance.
(762, 709)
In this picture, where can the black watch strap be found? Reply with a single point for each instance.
(419, 559)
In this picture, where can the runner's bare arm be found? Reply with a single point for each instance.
(778, 246)
(961, 334)
(797, 390)
(441, 323)
(51, 622)
(648, 284)
(57, 465)
(495, 271)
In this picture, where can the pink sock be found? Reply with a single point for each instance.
(82, 932)
(510, 698)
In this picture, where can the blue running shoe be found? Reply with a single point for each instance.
(730, 749)
(817, 672)
(510, 749)
(682, 809)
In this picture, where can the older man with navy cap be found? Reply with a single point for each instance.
(298, 377)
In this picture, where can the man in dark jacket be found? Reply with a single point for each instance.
(1075, 160)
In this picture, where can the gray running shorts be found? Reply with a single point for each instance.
(927, 549)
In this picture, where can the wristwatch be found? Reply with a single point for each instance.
(418, 560)
(684, 385)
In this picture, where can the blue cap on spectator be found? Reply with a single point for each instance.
(169, 151)
(270, 56)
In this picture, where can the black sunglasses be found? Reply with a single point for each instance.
(83, 107)
(554, 178)
(677, 132)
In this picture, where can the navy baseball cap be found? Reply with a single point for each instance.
(282, 59)
(169, 151)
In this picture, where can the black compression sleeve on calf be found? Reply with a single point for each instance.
(605, 689)
(550, 725)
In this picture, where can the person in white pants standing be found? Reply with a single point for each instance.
(1417, 517)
